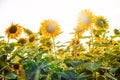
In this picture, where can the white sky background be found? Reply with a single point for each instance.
(30, 13)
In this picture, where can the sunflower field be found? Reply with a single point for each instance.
(38, 56)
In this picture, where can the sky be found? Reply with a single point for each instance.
(30, 13)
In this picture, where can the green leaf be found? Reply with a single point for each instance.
(98, 32)
(28, 31)
(11, 76)
(83, 76)
(2, 36)
(111, 77)
(9, 48)
(68, 62)
(68, 75)
(115, 36)
(83, 37)
(96, 44)
(105, 44)
(60, 46)
(57, 42)
(92, 66)
(64, 75)
(88, 55)
(105, 68)
(113, 69)
(76, 63)
(44, 40)
(40, 54)
(44, 68)
(72, 74)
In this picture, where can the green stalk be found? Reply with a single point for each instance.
(91, 28)
(75, 48)
(37, 74)
(54, 48)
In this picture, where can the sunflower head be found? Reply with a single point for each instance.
(16, 66)
(13, 31)
(96, 34)
(116, 31)
(60, 50)
(43, 48)
(22, 41)
(50, 28)
(78, 31)
(60, 53)
(101, 23)
(74, 42)
(32, 38)
(78, 54)
(85, 19)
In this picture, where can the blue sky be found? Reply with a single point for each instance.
(30, 13)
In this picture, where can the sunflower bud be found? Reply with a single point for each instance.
(116, 31)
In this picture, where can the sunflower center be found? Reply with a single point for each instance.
(16, 66)
(78, 54)
(96, 35)
(50, 28)
(13, 29)
(22, 41)
(85, 19)
(101, 23)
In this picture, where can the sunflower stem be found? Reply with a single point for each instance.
(8, 40)
(91, 29)
(75, 52)
(54, 48)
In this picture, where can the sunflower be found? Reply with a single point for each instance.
(16, 66)
(32, 38)
(43, 48)
(22, 41)
(101, 23)
(112, 43)
(18, 69)
(60, 53)
(96, 35)
(78, 54)
(85, 19)
(13, 31)
(74, 42)
(78, 31)
(46, 42)
(116, 31)
(50, 28)
(60, 50)
(61, 56)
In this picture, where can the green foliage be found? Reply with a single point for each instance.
(92, 66)
(83, 76)
(11, 76)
